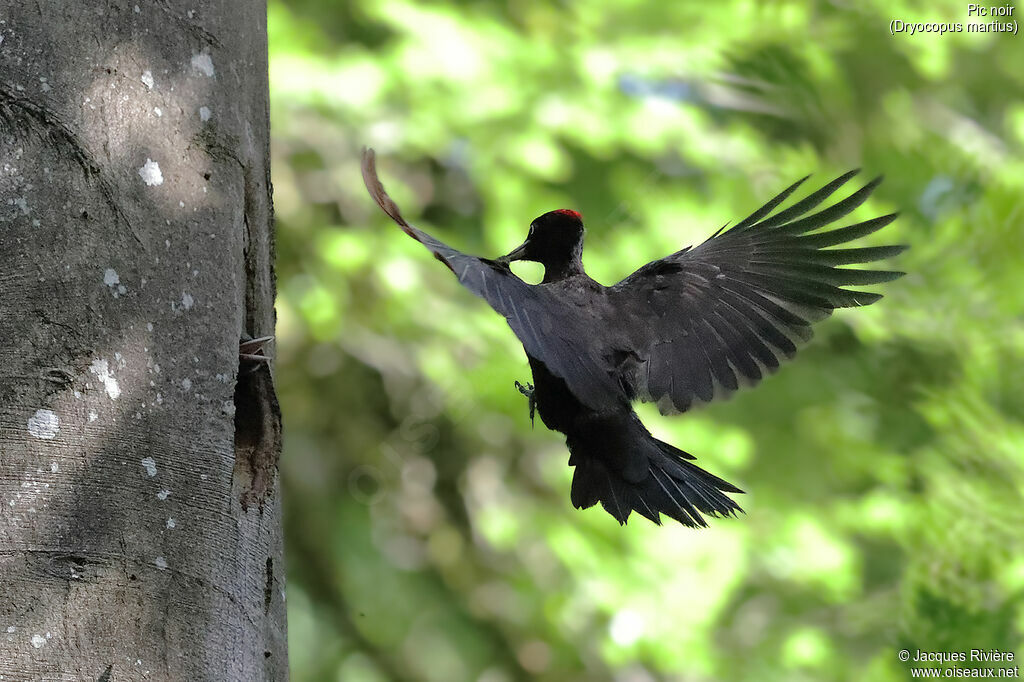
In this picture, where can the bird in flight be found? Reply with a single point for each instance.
(683, 330)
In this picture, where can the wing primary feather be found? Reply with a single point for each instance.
(800, 254)
(768, 207)
(819, 293)
(809, 202)
(830, 275)
(832, 213)
(717, 232)
(846, 234)
(376, 190)
(790, 289)
(747, 289)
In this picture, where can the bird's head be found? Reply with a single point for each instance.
(555, 240)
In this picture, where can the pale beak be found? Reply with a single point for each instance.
(518, 254)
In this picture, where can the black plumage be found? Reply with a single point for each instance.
(685, 329)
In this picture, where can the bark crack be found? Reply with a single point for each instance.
(14, 106)
(257, 412)
(268, 589)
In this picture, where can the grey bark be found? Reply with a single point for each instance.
(140, 534)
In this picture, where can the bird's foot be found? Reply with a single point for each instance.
(528, 391)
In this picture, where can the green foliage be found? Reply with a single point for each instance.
(430, 533)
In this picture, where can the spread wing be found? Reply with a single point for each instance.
(549, 330)
(710, 319)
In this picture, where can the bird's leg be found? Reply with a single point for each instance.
(528, 391)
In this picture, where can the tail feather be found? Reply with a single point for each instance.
(672, 486)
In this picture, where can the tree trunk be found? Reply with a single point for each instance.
(140, 533)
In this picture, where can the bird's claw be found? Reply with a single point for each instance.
(528, 391)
